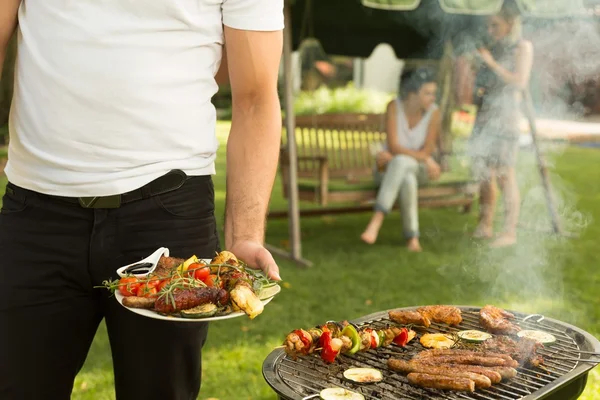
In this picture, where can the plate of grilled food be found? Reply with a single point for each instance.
(193, 289)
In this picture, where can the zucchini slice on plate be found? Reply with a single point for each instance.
(201, 311)
(539, 336)
(340, 394)
(474, 335)
(363, 375)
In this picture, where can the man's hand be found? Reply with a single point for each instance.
(433, 169)
(256, 256)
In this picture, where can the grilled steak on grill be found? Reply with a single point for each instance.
(524, 350)
(444, 314)
(497, 320)
(425, 315)
(409, 318)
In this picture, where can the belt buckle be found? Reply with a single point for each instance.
(113, 201)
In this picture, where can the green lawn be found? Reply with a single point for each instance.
(543, 274)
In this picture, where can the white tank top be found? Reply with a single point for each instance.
(414, 138)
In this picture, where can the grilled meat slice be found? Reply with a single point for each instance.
(481, 381)
(139, 302)
(183, 299)
(166, 265)
(443, 314)
(460, 352)
(441, 382)
(409, 317)
(524, 350)
(497, 320)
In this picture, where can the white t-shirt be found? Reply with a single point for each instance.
(111, 94)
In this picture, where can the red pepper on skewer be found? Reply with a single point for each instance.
(328, 354)
(402, 338)
(306, 340)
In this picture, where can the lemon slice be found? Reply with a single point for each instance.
(340, 394)
(266, 292)
(183, 267)
(363, 375)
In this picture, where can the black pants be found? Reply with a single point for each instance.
(53, 252)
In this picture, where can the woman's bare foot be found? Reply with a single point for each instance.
(414, 245)
(369, 237)
(483, 232)
(504, 240)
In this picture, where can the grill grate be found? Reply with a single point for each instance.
(306, 376)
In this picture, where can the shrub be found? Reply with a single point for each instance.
(343, 99)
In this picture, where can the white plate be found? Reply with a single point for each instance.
(155, 315)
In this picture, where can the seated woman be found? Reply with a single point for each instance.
(413, 125)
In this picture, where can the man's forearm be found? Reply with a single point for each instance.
(252, 156)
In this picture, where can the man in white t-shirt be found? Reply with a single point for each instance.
(112, 149)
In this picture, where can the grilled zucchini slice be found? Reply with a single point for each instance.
(474, 335)
(201, 311)
(539, 336)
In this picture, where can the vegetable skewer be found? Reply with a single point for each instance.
(333, 339)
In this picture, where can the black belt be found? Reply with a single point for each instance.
(173, 180)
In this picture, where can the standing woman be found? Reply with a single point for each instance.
(495, 141)
(413, 125)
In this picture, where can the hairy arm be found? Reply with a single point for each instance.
(392, 138)
(254, 140)
(8, 24)
(524, 62)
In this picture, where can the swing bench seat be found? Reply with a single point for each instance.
(335, 166)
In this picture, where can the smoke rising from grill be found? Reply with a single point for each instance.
(564, 51)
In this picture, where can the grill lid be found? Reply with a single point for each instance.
(307, 376)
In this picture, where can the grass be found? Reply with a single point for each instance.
(556, 277)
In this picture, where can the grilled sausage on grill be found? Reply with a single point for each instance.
(450, 352)
(441, 382)
(497, 320)
(190, 298)
(505, 372)
(471, 360)
(481, 381)
(491, 359)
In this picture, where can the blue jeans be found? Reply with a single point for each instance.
(401, 181)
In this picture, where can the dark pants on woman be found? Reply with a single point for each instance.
(54, 251)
